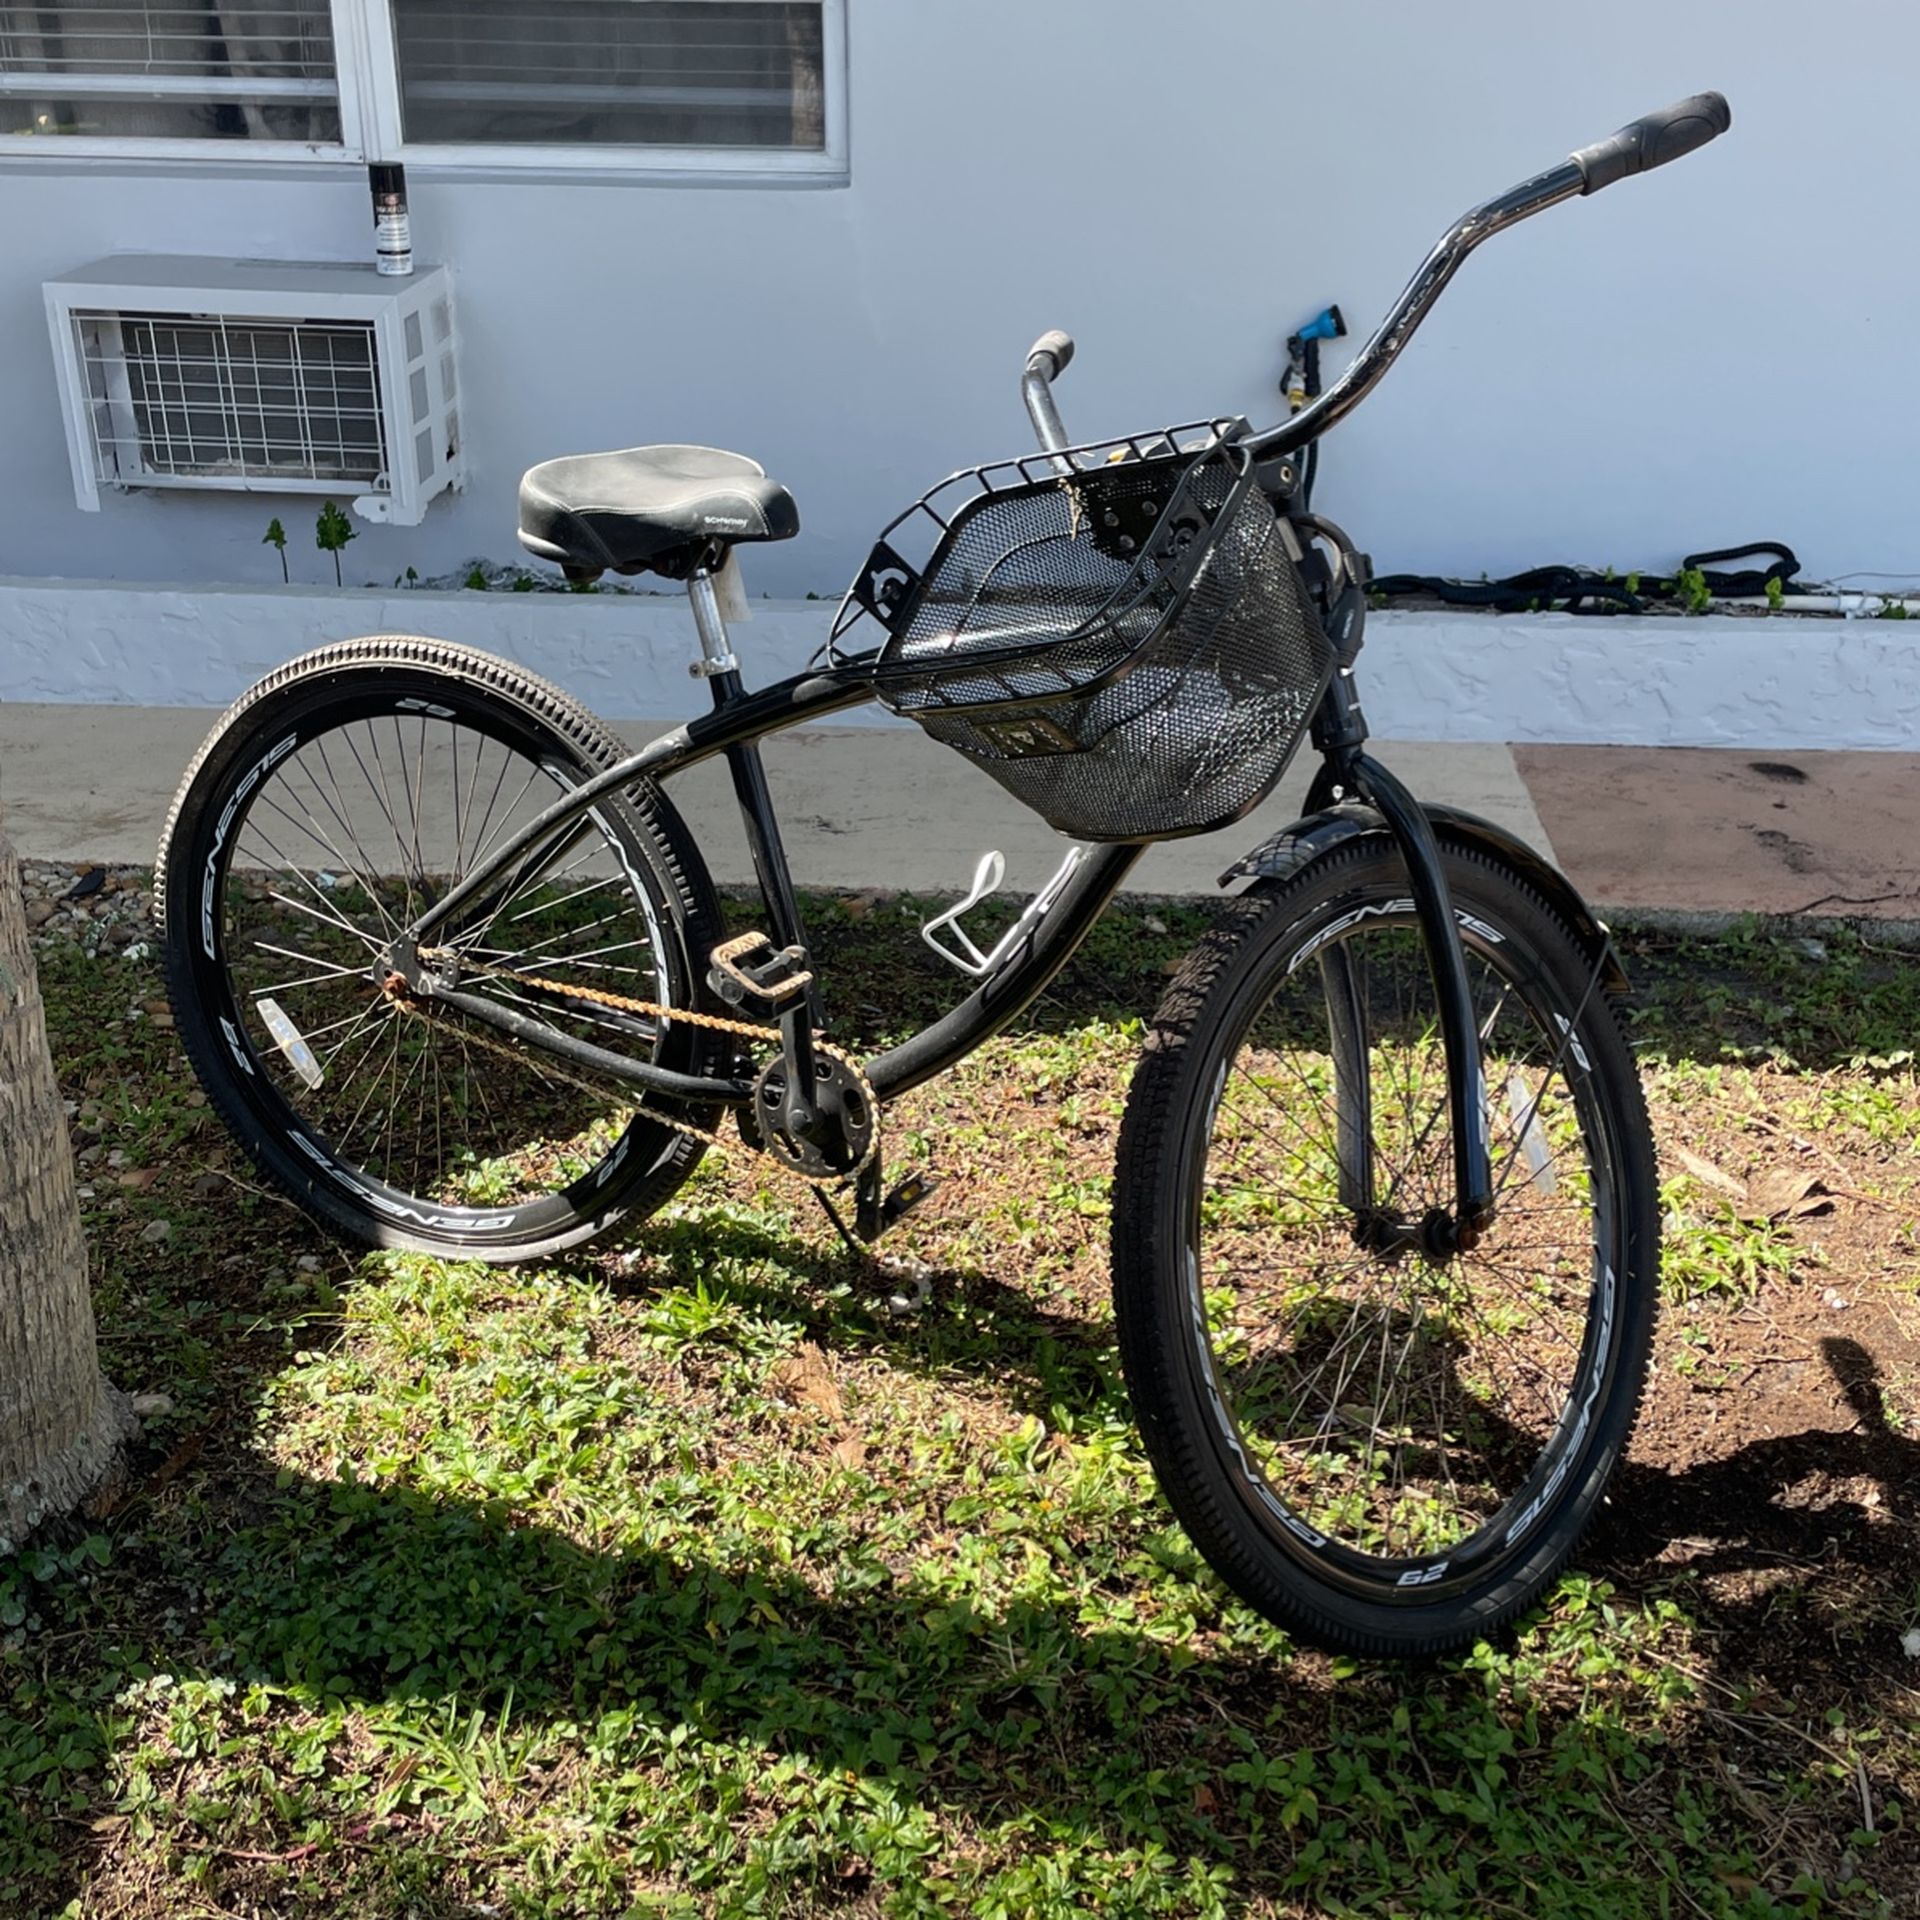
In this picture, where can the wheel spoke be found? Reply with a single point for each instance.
(426, 1104)
(1398, 1394)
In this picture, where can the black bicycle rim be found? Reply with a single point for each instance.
(1302, 1504)
(343, 756)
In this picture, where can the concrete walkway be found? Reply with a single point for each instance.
(1706, 830)
(860, 806)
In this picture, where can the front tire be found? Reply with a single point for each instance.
(1383, 1446)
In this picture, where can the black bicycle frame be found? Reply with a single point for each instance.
(734, 729)
(740, 720)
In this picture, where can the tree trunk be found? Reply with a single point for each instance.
(61, 1426)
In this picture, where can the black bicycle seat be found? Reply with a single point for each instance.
(648, 506)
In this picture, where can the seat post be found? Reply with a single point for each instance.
(716, 650)
(719, 667)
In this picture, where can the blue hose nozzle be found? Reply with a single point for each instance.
(1328, 324)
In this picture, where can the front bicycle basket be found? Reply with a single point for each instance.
(1119, 635)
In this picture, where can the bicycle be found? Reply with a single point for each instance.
(1385, 1229)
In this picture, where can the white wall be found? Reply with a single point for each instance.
(1440, 676)
(1722, 352)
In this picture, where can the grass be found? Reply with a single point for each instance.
(692, 1577)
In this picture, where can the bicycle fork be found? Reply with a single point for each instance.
(1340, 732)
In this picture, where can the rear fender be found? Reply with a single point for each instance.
(1283, 854)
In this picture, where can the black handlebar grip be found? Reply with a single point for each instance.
(1055, 350)
(1653, 140)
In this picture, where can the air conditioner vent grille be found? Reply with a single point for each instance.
(230, 396)
(229, 375)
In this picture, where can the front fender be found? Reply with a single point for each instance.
(1283, 854)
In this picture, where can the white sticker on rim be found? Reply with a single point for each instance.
(290, 1040)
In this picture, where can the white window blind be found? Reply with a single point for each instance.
(599, 73)
(168, 69)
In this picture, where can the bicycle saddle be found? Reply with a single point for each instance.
(658, 507)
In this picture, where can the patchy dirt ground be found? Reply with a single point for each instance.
(711, 1573)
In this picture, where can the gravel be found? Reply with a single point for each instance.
(115, 917)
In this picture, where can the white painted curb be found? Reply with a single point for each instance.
(1442, 676)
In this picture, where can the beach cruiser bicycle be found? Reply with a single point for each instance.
(450, 965)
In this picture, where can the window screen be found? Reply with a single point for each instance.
(634, 73)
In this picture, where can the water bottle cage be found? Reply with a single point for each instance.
(964, 953)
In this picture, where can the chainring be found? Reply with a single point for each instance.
(845, 1101)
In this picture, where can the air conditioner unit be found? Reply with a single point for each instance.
(259, 376)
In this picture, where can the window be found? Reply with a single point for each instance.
(636, 73)
(168, 69)
(666, 86)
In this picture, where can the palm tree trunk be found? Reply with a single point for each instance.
(61, 1426)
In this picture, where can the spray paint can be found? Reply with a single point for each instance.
(392, 237)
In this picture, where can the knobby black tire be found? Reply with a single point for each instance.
(1413, 1605)
(648, 1164)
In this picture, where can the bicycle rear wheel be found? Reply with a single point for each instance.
(326, 810)
(1383, 1444)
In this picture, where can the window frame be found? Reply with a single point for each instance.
(366, 93)
(383, 114)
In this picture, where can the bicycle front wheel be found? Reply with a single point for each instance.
(1383, 1444)
(326, 811)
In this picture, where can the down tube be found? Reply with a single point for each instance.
(1007, 993)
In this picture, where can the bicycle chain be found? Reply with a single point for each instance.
(624, 1003)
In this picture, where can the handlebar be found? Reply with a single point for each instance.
(1051, 354)
(1638, 147)
(1654, 139)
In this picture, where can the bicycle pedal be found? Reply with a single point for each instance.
(905, 1197)
(751, 967)
(874, 1214)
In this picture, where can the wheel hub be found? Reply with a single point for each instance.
(1436, 1235)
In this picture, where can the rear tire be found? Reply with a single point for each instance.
(327, 804)
(1383, 1447)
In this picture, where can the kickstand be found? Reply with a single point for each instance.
(871, 1216)
(874, 1208)
(916, 1274)
(840, 1227)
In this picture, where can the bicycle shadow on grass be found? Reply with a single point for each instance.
(389, 1598)
(931, 1320)
(419, 1608)
(1820, 1517)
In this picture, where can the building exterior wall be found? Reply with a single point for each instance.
(1721, 353)
(1777, 684)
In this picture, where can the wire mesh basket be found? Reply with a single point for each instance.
(1119, 634)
